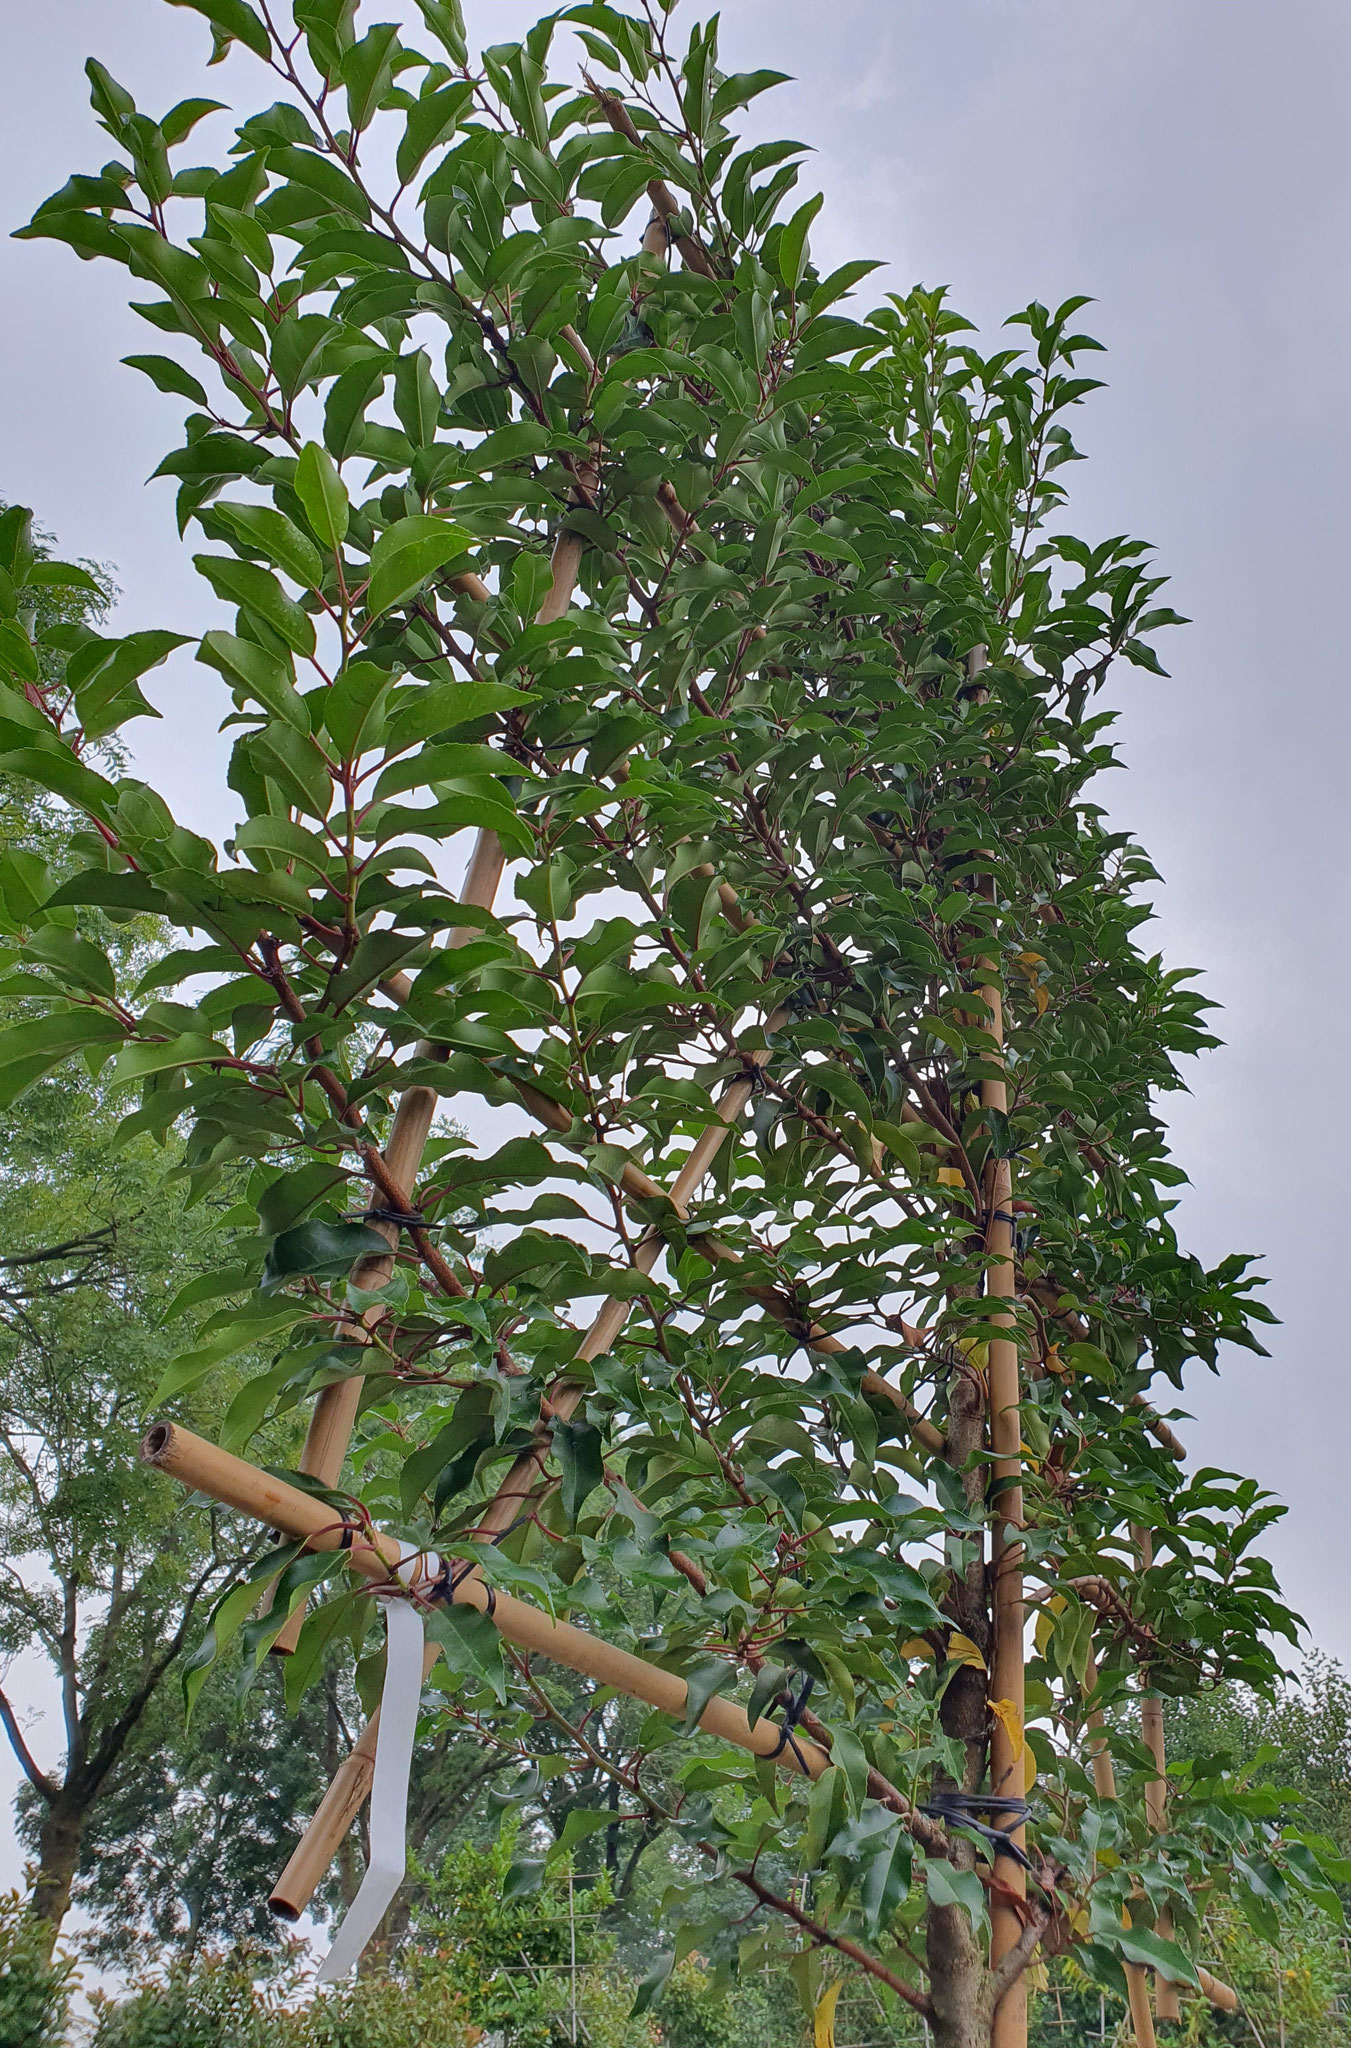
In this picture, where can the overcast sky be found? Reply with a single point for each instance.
(1177, 159)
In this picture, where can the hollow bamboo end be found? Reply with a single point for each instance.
(157, 1443)
(282, 1909)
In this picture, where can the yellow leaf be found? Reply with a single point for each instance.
(823, 2035)
(917, 1647)
(1029, 1769)
(950, 1177)
(961, 1650)
(1011, 1720)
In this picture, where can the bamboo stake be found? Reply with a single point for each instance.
(1222, 1996)
(1166, 2000)
(1009, 2029)
(1104, 1784)
(203, 1467)
(334, 1415)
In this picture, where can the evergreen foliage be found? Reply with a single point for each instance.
(750, 628)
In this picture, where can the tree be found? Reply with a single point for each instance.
(179, 1853)
(753, 635)
(97, 1572)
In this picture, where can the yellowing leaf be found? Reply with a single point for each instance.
(1029, 1769)
(961, 1650)
(950, 1177)
(1030, 962)
(823, 2021)
(1011, 1721)
(917, 1647)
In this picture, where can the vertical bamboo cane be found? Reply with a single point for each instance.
(1104, 1784)
(1219, 1994)
(1167, 2004)
(1005, 1434)
(335, 1410)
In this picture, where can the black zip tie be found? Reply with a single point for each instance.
(792, 1713)
(446, 1585)
(403, 1219)
(962, 1809)
(346, 1538)
(1003, 1216)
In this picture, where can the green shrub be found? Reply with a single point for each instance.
(34, 1986)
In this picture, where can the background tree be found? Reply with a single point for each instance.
(97, 1238)
(98, 1574)
(755, 634)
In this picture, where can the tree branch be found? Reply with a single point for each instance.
(916, 2000)
(44, 1786)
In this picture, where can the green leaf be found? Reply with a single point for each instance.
(653, 1984)
(469, 1643)
(54, 767)
(704, 1681)
(581, 1460)
(406, 554)
(524, 1877)
(320, 1251)
(580, 1825)
(322, 493)
(368, 72)
(431, 120)
(257, 589)
(792, 257)
(37, 1047)
(1140, 1945)
(167, 375)
(231, 21)
(274, 535)
(322, 177)
(949, 1887)
(265, 678)
(768, 1684)
(141, 1057)
(180, 121)
(228, 1617)
(354, 708)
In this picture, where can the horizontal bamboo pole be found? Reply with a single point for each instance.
(203, 1467)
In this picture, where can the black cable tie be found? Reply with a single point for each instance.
(403, 1219)
(447, 1584)
(962, 1810)
(793, 1710)
(1003, 1216)
(345, 1540)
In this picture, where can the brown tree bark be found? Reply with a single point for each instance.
(59, 1843)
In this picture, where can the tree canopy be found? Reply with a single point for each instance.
(815, 1045)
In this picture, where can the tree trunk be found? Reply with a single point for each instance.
(958, 1980)
(58, 1859)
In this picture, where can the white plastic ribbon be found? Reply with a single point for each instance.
(389, 1785)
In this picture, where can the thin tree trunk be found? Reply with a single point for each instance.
(958, 1980)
